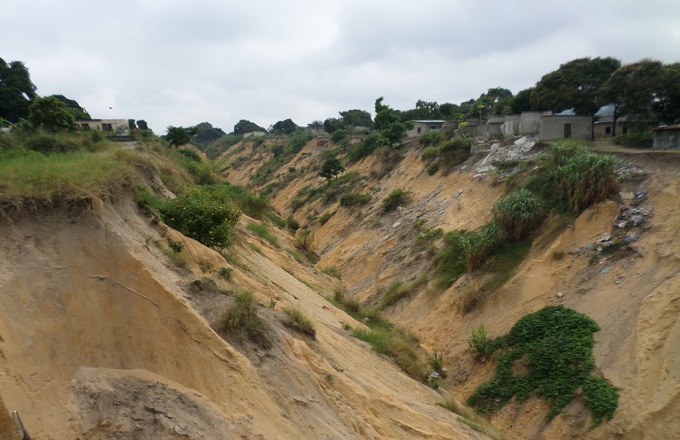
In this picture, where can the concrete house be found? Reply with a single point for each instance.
(254, 133)
(112, 126)
(421, 127)
(566, 127)
(667, 136)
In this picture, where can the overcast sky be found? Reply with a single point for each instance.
(181, 62)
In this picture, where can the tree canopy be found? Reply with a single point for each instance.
(646, 89)
(178, 136)
(575, 85)
(73, 107)
(389, 122)
(51, 114)
(206, 133)
(244, 126)
(287, 126)
(331, 168)
(16, 91)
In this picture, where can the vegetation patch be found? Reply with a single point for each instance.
(517, 214)
(263, 232)
(241, 318)
(555, 346)
(204, 215)
(396, 198)
(299, 322)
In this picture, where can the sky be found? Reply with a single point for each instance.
(181, 62)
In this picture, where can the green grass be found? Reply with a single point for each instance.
(263, 232)
(300, 322)
(241, 318)
(30, 178)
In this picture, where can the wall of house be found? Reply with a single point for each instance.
(667, 138)
(558, 127)
(118, 126)
(530, 122)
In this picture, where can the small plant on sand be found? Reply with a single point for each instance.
(242, 318)
(518, 214)
(398, 197)
(299, 322)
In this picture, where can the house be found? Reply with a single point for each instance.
(254, 133)
(559, 127)
(667, 136)
(421, 127)
(113, 126)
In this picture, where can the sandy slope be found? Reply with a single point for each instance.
(99, 340)
(635, 300)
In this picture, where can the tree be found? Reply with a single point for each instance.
(244, 126)
(668, 106)
(635, 88)
(388, 122)
(206, 133)
(74, 108)
(575, 85)
(495, 101)
(356, 118)
(331, 168)
(522, 101)
(332, 124)
(16, 91)
(287, 126)
(141, 123)
(178, 136)
(315, 124)
(51, 114)
(131, 124)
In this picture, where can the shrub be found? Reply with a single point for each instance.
(455, 151)
(339, 135)
(298, 321)
(394, 199)
(429, 154)
(292, 224)
(204, 216)
(367, 146)
(517, 214)
(635, 138)
(555, 344)
(350, 199)
(242, 317)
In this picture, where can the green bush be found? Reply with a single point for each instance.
(429, 154)
(350, 199)
(367, 146)
(555, 345)
(204, 215)
(397, 197)
(635, 139)
(50, 143)
(455, 151)
(518, 214)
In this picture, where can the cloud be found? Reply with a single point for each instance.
(181, 62)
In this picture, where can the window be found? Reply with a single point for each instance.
(107, 127)
(607, 130)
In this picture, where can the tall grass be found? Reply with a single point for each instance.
(32, 178)
(518, 214)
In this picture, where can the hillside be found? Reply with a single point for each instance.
(111, 322)
(105, 332)
(632, 295)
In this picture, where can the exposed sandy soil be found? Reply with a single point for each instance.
(634, 297)
(102, 338)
